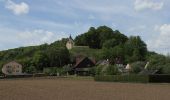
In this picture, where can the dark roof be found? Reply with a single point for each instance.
(81, 60)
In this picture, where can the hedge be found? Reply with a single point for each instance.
(134, 78)
(159, 78)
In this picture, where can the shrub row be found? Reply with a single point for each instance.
(134, 78)
(159, 78)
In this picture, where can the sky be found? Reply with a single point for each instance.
(34, 22)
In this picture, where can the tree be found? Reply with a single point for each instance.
(112, 70)
(120, 38)
(99, 70)
(31, 69)
(80, 40)
(136, 55)
(157, 62)
(92, 38)
(105, 33)
(40, 60)
(135, 48)
(113, 53)
(166, 68)
(110, 43)
(58, 56)
(137, 66)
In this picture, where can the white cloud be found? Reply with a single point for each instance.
(12, 38)
(17, 9)
(160, 42)
(137, 28)
(38, 36)
(140, 5)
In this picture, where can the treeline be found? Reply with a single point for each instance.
(119, 48)
(35, 58)
(115, 45)
(104, 43)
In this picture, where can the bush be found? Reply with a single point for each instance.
(107, 70)
(123, 78)
(112, 70)
(54, 71)
(99, 70)
(30, 70)
(166, 69)
(137, 66)
(134, 78)
(159, 78)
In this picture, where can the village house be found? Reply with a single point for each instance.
(83, 65)
(12, 68)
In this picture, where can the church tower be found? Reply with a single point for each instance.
(70, 43)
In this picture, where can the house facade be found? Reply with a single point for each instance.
(12, 68)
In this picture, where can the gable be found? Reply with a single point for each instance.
(85, 63)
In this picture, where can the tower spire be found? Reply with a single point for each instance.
(70, 37)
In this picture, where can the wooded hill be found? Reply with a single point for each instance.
(102, 42)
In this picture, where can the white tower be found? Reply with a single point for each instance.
(70, 43)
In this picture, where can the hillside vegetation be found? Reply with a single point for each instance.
(100, 43)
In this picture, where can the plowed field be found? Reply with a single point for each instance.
(71, 89)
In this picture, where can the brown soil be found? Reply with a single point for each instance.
(71, 89)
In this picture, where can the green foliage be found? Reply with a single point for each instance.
(112, 70)
(40, 60)
(101, 43)
(120, 38)
(110, 43)
(107, 70)
(54, 71)
(137, 66)
(114, 44)
(80, 40)
(135, 49)
(159, 62)
(113, 53)
(104, 33)
(30, 69)
(86, 51)
(59, 43)
(99, 70)
(42, 56)
(58, 56)
(95, 38)
(123, 78)
(166, 68)
(156, 62)
(92, 38)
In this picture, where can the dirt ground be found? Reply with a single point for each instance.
(71, 89)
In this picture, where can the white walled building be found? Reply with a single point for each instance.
(12, 68)
(70, 43)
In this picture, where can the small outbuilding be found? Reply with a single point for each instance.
(12, 68)
(83, 65)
